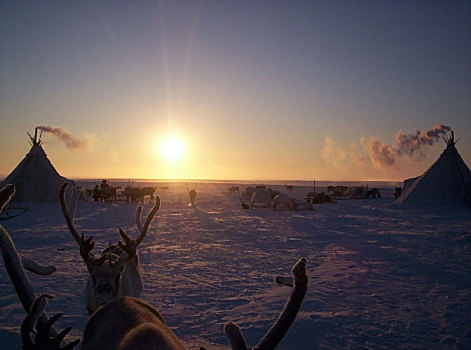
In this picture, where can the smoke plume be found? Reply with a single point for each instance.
(70, 140)
(404, 144)
(411, 144)
(379, 153)
(383, 156)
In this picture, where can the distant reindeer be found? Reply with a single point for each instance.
(261, 197)
(108, 194)
(337, 191)
(192, 194)
(248, 192)
(282, 201)
(121, 275)
(373, 193)
(133, 193)
(234, 189)
(147, 191)
(87, 194)
(289, 187)
(273, 193)
(130, 323)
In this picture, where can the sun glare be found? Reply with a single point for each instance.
(172, 148)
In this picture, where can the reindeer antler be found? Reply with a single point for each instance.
(281, 326)
(6, 193)
(129, 251)
(43, 340)
(143, 228)
(34, 267)
(86, 247)
(11, 258)
(235, 337)
(68, 210)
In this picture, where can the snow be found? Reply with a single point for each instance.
(380, 276)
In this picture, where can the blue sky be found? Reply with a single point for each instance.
(255, 89)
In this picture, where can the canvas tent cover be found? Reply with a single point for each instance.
(35, 178)
(446, 183)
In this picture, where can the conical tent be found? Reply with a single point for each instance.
(35, 178)
(446, 183)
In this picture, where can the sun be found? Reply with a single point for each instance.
(172, 148)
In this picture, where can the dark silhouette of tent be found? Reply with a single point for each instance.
(35, 178)
(446, 183)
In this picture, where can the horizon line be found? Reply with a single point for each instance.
(224, 180)
(3, 177)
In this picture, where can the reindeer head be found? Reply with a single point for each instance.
(106, 271)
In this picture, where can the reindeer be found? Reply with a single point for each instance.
(282, 201)
(128, 322)
(261, 197)
(121, 275)
(87, 194)
(133, 193)
(289, 187)
(373, 193)
(108, 194)
(234, 189)
(147, 191)
(337, 191)
(192, 194)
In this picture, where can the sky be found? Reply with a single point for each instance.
(251, 90)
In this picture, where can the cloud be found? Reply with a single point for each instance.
(70, 140)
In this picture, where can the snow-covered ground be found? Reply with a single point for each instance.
(380, 277)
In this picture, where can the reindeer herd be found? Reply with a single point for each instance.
(265, 197)
(115, 193)
(118, 319)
